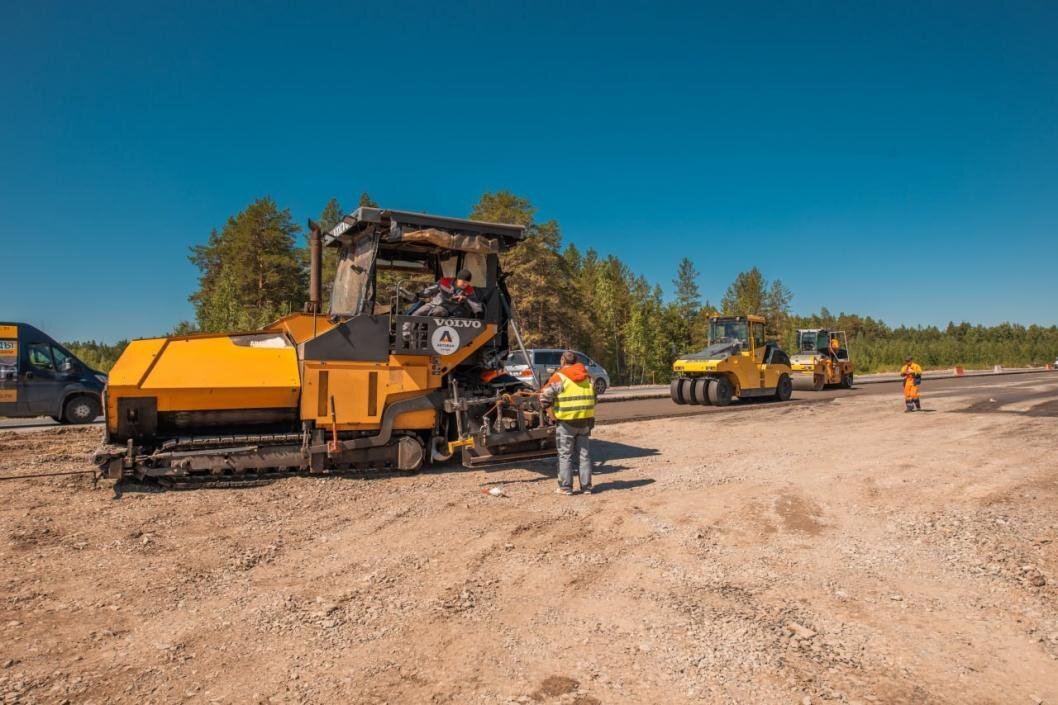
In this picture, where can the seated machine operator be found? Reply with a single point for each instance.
(449, 298)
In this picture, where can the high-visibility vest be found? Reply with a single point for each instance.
(575, 401)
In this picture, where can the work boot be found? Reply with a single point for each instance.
(918, 405)
(910, 407)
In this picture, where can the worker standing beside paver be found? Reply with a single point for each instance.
(912, 374)
(571, 399)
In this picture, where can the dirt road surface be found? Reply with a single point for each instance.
(832, 552)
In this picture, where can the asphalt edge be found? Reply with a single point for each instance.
(642, 396)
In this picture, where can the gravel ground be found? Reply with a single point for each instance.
(839, 552)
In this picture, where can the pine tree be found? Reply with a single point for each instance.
(647, 344)
(610, 309)
(688, 296)
(746, 295)
(252, 271)
(777, 308)
(538, 278)
(682, 315)
(329, 217)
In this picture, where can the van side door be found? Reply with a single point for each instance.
(41, 384)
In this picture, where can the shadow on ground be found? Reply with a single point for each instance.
(603, 454)
(620, 485)
(997, 402)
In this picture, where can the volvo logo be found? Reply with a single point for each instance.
(457, 322)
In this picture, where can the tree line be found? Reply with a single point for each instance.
(255, 269)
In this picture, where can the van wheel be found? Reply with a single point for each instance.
(600, 386)
(81, 409)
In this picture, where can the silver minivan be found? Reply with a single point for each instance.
(546, 360)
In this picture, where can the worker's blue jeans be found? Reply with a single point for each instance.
(573, 446)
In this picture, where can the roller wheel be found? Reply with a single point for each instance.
(410, 454)
(720, 392)
(687, 390)
(81, 409)
(784, 388)
(701, 391)
(846, 381)
(674, 391)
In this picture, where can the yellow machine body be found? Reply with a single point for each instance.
(738, 362)
(818, 364)
(206, 373)
(353, 395)
(388, 379)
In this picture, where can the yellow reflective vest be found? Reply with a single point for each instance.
(576, 400)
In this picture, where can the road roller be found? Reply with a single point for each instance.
(822, 360)
(372, 383)
(737, 363)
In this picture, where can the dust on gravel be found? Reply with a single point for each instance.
(843, 552)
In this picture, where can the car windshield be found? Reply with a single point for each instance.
(728, 332)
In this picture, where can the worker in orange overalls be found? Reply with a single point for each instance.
(833, 348)
(912, 374)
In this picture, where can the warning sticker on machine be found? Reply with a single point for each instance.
(8, 395)
(445, 340)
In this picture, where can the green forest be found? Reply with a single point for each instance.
(255, 269)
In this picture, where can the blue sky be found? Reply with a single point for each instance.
(894, 159)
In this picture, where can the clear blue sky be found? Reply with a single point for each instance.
(893, 159)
